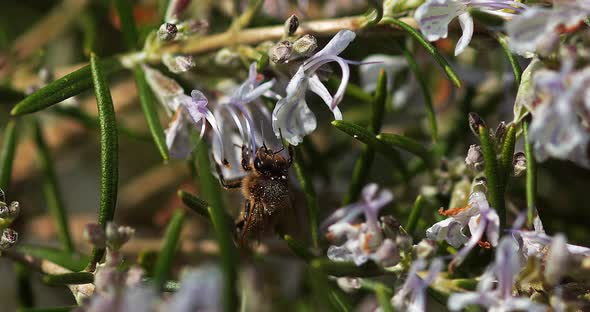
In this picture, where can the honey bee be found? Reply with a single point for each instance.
(265, 189)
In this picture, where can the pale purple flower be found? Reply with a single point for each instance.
(486, 222)
(451, 229)
(538, 29)
(560, 119)
(292, 119)
(362, 241)
(504, 270)
(534, 243)
(187, 112)
(411, 296)
(243, 120)
(200, 290)
(434, 16)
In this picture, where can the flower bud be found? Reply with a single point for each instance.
(8, 239)
(518, 164)
(280, 52)
(167, 32)
(291, 25)
(304, 46)
(178, 63)
(117, 236)
(9, 212)
(94, 234)
(474, 159)
(500, 133)
(475, 122)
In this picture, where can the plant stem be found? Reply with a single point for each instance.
(310, 196)
(201, 44)
(229, 260)
(531, 176)
(363, 164)
(52, 191)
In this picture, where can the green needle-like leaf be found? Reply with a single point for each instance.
(531, 175)
(63, 88)
(168, 252)
(7, 153)
(362, 167)
(311, 200)
(348, 269)
(428, 46)
(75, 278)
(298, 248)
(71, 261)
(415, 214)
(52, 191)
(384, 298)
(507, 154)
(150, 112)
(495, 189)
(362, 134)
(125, 12)
(194, 203)
(503, 40)
(109, 172)
(229, 259)
(392, 140)
(426, 93)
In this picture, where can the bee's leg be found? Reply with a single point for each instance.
(291, 152)
(245, 224)
(227, 184)
(246, 158)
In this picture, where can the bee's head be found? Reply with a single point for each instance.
(270, 164)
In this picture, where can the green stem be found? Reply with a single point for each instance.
(150, 112)
(52, 191)
(229, 259)
(311, 202)
(425, 91)
(7, 153)
(26, 297)
(75, 278)
(428, 46)
(531, 176)
(503, 40)
(495, 190)
(363, 164)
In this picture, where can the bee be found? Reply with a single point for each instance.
(265, 189)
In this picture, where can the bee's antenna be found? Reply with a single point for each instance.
(262, 134)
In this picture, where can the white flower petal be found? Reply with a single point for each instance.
(292, 119)
(434, 17)
(467, 26)
(340, 41)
